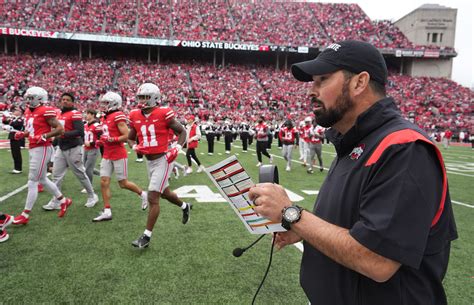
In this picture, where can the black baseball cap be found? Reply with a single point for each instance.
(351, 55)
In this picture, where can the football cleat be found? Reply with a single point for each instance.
(6, 222)
(21, 220)
(91, 202)
(104, 216)
(4, 236)
(186, 213)
(142, 242)
(64, 207)
(200, 169)
(53, 204)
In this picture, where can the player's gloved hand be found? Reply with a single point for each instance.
(39, 139)
(139, 149)
(172, 153)
(105, 138)
(19, 135)
(99, 143)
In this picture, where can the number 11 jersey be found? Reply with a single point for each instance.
(152, 129)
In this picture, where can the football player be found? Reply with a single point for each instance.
(261, 134)
(315, 146)
(70, 152)
(115, 159)
(288, 135)
(150, 124)
(92, 132)
(41, 126)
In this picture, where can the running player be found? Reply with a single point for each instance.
(115, 158)
(92, 132)
(151, 124)
(288, 135)
(41, 126)
(70, 152)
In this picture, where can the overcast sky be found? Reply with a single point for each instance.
(463, 65)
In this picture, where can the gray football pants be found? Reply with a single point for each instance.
(287, 152)
(90, 157)
(314, 149)
(71, 158)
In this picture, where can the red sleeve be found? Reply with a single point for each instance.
(49, 112)
(120, 117)
(169, 114)
(76, 116)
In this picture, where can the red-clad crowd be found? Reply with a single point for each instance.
(154, 19)
(235, 92)
(272, 22)
(51, 15)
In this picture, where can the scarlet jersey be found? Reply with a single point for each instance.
(287, 135)
(37, 125)
(307, 133)
(316, 134)
(262, 131)
(67, 118)
(113, 150)
(152, 129)
(91, 134)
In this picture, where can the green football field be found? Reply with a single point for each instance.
(73, 260)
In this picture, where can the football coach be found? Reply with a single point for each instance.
(381, 228)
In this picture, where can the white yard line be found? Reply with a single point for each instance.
(12, 193)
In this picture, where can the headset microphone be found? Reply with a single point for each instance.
(239, 251)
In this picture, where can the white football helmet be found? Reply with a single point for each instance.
(111, 101)
(148, 95)
(35, 96)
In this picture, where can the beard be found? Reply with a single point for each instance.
(327, 117)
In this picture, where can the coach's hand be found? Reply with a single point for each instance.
(172, 153)
(283, 239)
(269, 200)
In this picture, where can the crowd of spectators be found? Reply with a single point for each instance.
(17, 14)
(433, 102)
(234, 92)
(154, 19)
(270, 22)
(51, 15)
(87, 17)
(121, 18)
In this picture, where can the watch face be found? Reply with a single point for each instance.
(291, 214)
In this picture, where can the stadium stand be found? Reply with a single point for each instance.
(205, 89)
(292, 23)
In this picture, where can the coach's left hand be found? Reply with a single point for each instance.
(269, 200)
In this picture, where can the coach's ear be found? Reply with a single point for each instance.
(359, 83)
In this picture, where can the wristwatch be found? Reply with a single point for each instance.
(290, 215)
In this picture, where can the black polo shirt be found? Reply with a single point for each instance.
(391, 201)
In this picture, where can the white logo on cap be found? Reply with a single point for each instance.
(334, 46)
